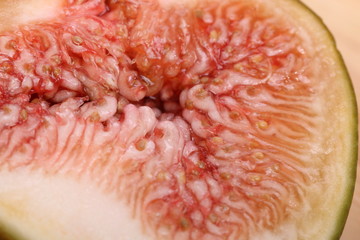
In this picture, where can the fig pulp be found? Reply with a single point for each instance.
(198, 120)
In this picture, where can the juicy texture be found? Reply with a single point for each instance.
(204, 126)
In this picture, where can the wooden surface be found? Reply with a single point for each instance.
(343, 19)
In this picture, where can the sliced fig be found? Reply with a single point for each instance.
(184, 120)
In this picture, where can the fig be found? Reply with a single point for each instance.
(184, 120)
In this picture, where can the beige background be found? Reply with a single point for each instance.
(343, 19)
